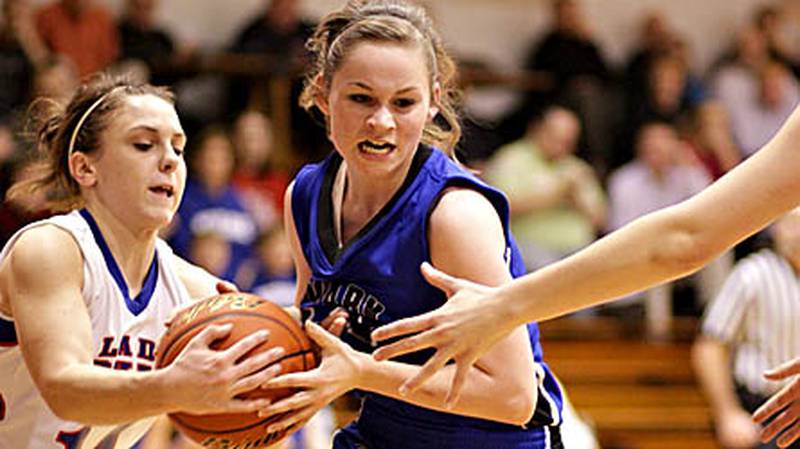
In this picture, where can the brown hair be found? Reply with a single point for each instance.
(386, 21)
(53, 125)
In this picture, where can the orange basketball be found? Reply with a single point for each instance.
(248, 313)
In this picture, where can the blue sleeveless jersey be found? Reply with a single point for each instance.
(376, 278)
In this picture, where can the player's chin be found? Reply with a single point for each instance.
(159, 218)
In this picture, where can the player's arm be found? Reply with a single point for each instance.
(467, 237)
(712, 363)
(42, 277)
(500, 387)
(656, 248)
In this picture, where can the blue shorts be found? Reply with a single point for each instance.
(382, 432)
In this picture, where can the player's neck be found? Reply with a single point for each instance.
(357, 200)
(133, 250)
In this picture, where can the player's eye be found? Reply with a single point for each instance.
(143, 146)
(405, 102)
(359, 98)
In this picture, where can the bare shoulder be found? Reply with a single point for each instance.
(466, 237)
(42, 255)
(464, 210)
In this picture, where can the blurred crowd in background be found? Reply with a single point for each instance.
(590, 147)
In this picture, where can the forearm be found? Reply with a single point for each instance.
(99, 396)
(483, 396)
(646, 252)
(711, 364)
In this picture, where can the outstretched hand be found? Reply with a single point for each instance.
(783, 408)
(462, 330)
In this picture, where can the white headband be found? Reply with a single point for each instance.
(86, 115)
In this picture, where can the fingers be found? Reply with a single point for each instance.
(245, 345)
(781, 421)
(790, 435)
(291, 421)
(211, 334)
(428, 369)
(788, 369)
(226, 287)
(403, 327)
(320, 336)
(302, 379)
(459, 379)
(776, 403)
(335, 321)
(297, 401)
(439, 279)
(254, 381)
(246, 405)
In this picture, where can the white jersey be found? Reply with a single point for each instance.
(125, 333)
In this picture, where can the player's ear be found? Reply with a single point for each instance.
(320, 94)
(82, 169)
(436, 96)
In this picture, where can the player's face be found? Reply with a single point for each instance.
(140, 168)
(378, 105)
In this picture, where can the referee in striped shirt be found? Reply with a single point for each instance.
(752, 326)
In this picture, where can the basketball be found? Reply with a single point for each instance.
(248, 313)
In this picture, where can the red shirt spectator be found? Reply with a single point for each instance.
(83, 32)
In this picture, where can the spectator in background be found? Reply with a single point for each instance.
(557, 204)
(279, 32)
(273, 274)
(749, 328)
(660, 100)
(570, 54)
(658, 177)
(656, 38)
(758, 92)
(211, 251)
(143, 41)
(261, 183)
(21, 52)
(80, 30)
(568, 51)
(709, 136)
(770, 20)
(211, 205)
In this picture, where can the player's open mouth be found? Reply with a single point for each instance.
(166, 190)
(375, 148)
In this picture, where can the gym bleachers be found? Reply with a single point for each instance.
(637, 394)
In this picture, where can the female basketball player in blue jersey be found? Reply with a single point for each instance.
(362, 221)
(84, 296)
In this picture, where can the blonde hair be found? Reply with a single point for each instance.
(56, 130)
(386, 21)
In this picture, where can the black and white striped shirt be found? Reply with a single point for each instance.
(757, 313)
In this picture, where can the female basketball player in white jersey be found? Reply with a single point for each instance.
(84, 296)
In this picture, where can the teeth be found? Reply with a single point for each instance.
(372, 148)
